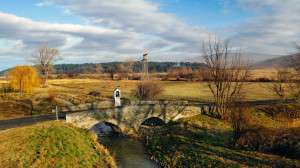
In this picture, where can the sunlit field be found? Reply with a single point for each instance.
(173, 90)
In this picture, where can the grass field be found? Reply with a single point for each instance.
(203, 141)
(77, 91)
(196, 91)
(200, 141)
(52, 144)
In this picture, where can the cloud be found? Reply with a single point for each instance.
(39, 4)
(275, 25)
(118, 29)
(271, 29)
(140, 16)
(74, 40)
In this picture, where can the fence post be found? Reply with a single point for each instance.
(56, 114)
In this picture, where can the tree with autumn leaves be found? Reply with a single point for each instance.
(24, 78)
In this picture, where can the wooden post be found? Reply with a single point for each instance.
(56, 114)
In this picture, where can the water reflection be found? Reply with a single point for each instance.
(129, 153)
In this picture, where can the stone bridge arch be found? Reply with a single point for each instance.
(153, 121)
(129, 118)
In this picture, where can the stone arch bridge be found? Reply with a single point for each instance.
(130, 117)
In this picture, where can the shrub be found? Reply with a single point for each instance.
(52, 97)
(240, 119)
(135, 77)
(148, 90)
(62, 76)
(263, 80)
(95, 93)
(70, 74)
(277, 141)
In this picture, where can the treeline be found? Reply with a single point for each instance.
(137, 67)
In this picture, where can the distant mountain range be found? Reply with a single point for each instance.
(259, 60)
(275, 62)
(254, 57)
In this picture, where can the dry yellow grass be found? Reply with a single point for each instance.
(196, 91)
(70, 89)
(263, 73)
(295, 123)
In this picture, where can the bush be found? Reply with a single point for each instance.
(276, 112)
(6, 88)
(62, 76)
(264, 80)
(277, 141)
(240, 119)
(135, 77)
(148, 90)
(95, 93)
(52, 97)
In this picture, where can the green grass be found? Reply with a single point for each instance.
(203, 141)
(52, 144)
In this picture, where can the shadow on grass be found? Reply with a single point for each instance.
(183, 144)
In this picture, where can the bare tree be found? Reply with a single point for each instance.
(99, 69)
(286, 79)
(225, 76)
(280, 77)
(129, 66)
(121, 70)
(111, 72)
(44, 57)
(294, 80)
(295, 61)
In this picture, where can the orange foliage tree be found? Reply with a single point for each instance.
(24, 78)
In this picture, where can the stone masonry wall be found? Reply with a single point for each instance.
(109, 104)
(129, 118)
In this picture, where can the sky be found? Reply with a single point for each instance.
(95, 31)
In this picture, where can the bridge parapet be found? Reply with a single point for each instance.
(109, 104)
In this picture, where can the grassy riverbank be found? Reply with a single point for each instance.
(203, 141)
(52, 144)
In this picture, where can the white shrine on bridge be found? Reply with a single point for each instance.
(117, 97)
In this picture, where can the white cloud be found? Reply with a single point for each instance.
(276, 24)
(84, 40)
(140, 16)
(117, 29)
(40, 4)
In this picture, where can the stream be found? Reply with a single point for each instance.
(128, 152)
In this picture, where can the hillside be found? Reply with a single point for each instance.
(254, 57)
(275, 62)
(3, 72)
(203, 141)
(91, 67)
(52, 144)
